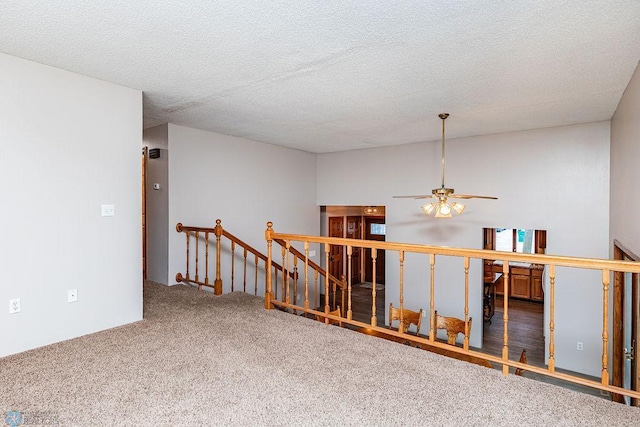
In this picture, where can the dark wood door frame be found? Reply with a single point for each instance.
(354, 231)
(620, 252)
(336, 252)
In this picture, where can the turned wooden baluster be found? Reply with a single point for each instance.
(552, 324)
(605, 327)
(275, 270)
(197, 244)
(505, 316)
(244, 271)
(326, 283)
(343, 280)
(374, 255)
(432, 308)
(233, 265)
(285, 272)
(255, 280)
(206, 258)
(217, 285)
(349, 254)
(267, 294)
(295, 282)
(288, 284)
(401, 259)
(306, 275)
(316, 301)
(187, 231)
(466, 304)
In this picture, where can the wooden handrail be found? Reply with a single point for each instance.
(218, 231)
(558, 260)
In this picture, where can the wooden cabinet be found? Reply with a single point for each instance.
(520, 286)
(524, 282)
(537, 291)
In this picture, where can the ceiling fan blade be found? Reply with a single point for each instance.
(421, 196)
(471, 196)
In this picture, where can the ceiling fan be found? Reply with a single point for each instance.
(442, 208)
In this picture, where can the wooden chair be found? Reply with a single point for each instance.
(523, 359)
(453, 326)
(335, 312)
(408, 317)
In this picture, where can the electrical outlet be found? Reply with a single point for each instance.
(14, 306)
(579, 346)
(72, 295)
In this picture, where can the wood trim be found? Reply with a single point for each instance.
(622, 252)
(566, 261)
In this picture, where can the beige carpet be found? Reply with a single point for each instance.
(200, 360)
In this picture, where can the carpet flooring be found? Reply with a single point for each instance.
(203, 360)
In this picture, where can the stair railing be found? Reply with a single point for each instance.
(199, 239)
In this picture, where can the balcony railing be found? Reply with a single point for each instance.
(431, 254)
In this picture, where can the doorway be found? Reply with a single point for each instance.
(625, 337)
(526, 294)
(336, 252)
(356, 222)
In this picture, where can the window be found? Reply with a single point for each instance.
(515, 240)
(378, 229)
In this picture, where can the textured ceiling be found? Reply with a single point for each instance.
(325, 76)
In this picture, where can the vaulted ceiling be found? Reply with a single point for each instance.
(324, 76)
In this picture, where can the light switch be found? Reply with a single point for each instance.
(108, 210)
(312, 253)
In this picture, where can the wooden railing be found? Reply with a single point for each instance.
(432, 253)
(202, 239)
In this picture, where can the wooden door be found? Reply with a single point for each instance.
(354, 231)
(626, 312)
(374, 230)
(336, 252)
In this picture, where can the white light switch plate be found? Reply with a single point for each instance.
(108, 210)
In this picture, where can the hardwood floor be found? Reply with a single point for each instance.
(525, 331)
(361, 304)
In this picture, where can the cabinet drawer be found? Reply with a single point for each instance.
(520, 271)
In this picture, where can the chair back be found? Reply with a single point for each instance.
(408, 317)
(453, 326)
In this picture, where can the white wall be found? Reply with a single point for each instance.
(553, 179)
(625, 173)
(68, 144)
(158, 204)
(243, 183)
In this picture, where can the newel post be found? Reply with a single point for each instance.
(268, 294)
(217, 284)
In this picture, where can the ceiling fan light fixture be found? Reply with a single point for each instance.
(442, 208)
(428, 208)
(458, 207)
(443, 211)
